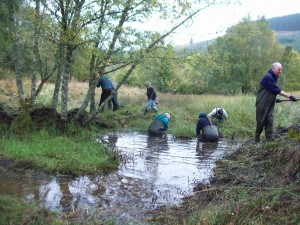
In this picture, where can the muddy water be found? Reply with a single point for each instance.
(158, 171)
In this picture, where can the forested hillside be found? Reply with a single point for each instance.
(287, 32)
(285, 23)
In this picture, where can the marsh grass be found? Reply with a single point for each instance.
(77, 155)
(184, 109)
(15, 211)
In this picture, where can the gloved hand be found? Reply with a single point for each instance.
(292, 98)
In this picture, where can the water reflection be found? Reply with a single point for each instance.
(162, 171)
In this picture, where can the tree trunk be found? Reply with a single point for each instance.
(36, 54)
(92, 77)
(14, 29)
(59, 75)
(65, 84)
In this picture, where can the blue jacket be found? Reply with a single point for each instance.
(105, 83)
(210, 133)
(164, 120)
(202, 122)
(159, 124)
(269, 82)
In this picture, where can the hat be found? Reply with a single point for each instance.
(202, 115)
(220, 112)
(168, 115)
(147, 83)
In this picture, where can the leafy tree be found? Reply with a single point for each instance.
(56, 31)
(236, 62)
(247, 46)
(159, 68)
(291, 64)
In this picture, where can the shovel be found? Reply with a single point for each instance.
(283, 100)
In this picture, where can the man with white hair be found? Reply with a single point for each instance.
(160, 124)
(265, 101)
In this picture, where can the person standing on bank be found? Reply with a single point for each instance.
(107, 89)
(268, 89)
(160, 124)
(209, 130)
(151, 95)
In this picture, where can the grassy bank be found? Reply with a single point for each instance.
(76, 155)
(183, 108)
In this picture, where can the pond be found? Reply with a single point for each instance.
(158, 171)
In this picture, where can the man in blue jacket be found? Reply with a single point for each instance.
(107, 89)
(265, 101)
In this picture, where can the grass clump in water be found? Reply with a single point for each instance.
(60, 154)
(14, 211)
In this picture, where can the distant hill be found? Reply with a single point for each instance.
(289, 38)
(285, 23)
(287, 32)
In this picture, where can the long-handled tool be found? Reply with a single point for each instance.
(284, 100)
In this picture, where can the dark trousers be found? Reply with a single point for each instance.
(113, 101)
(264, 122)
(104, 95)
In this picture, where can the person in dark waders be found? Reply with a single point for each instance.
(209, 130)
(268, 89)
(159, 125)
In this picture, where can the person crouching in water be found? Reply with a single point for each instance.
(209, 130)
(160, 124)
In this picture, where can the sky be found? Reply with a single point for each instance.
(214, 20)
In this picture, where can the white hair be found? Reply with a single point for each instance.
(168, 115)
(276, 65)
